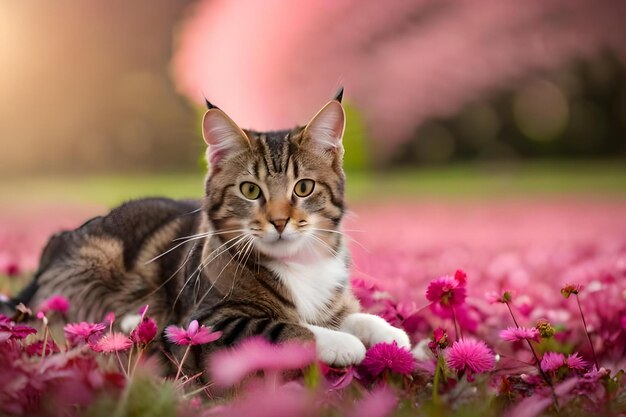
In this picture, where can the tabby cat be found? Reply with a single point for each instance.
(261, 254)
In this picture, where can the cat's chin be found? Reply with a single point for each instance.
(288, 249)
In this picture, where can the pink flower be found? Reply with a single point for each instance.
(460, 276)
(624, 322)
(55, 303)
(515, 334)
(574, 361)
(569, 289)
(83, 332)
(194, 335)
(367, 292)
(378, 403)
(388, 356)
(338, 378)
(446, 292)
(112, 342)
(143, 310)
(552, 361)
(471, 355)
(10, 330)
(230, 366)
(440, 340)
(145, 331)
(36, 348)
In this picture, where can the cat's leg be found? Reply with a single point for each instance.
(333, 347)
(371, 329)
(336, 347)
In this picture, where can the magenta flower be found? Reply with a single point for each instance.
(516, 334)
(145, 331)
(112, 342)
(10, 330)
(83, 332)
(552, 361)
(36, 348)
(388, 356)
(446, 292)
(460, 276)
(574, 361)
(254, 354)
(439, 341)
(471, 355)
(193, 335)
(55, 303)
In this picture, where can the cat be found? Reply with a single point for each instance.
(261, 254)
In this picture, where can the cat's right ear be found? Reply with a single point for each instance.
(223, 136)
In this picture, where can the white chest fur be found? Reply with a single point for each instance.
(312, 285)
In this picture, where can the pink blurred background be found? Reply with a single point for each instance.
(100, 87)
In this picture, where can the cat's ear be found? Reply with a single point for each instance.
(325, 130)
(223, 136)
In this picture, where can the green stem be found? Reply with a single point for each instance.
(438, 370)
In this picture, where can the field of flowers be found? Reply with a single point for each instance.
(515, 307)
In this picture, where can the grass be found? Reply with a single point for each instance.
(537, 179)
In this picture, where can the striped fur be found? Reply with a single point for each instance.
(224, 261)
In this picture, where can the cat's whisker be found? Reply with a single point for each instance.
(247, 252)
(202, 264)
(220, 274)
(207, 234)
(187, 257)
(325, 245)
(344, 235)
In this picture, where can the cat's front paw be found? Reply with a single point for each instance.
(337, 348)
(371, 329)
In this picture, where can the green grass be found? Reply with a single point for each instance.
(606, 179)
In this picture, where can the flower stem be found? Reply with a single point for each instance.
(582, 316)
(45, 343)
(438, 371)
(182, 361)
(117, 354)
(457, 328)
(137, 361)
(537, 363)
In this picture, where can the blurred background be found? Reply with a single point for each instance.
(117, 88)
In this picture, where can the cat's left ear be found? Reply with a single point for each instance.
(325, 130)
(223, 136)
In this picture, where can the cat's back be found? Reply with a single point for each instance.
(115, 250)
(131, 224)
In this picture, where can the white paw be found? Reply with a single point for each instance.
(337, 348)
(371, 329)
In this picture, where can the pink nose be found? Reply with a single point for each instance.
(279, 224)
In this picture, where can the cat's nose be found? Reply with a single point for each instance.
(279, 224)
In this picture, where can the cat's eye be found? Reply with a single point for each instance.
(250, 190)
(304, 188)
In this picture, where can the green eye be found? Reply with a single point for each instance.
(250, 190)
(304, 188)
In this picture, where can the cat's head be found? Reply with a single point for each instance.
(281, 193)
